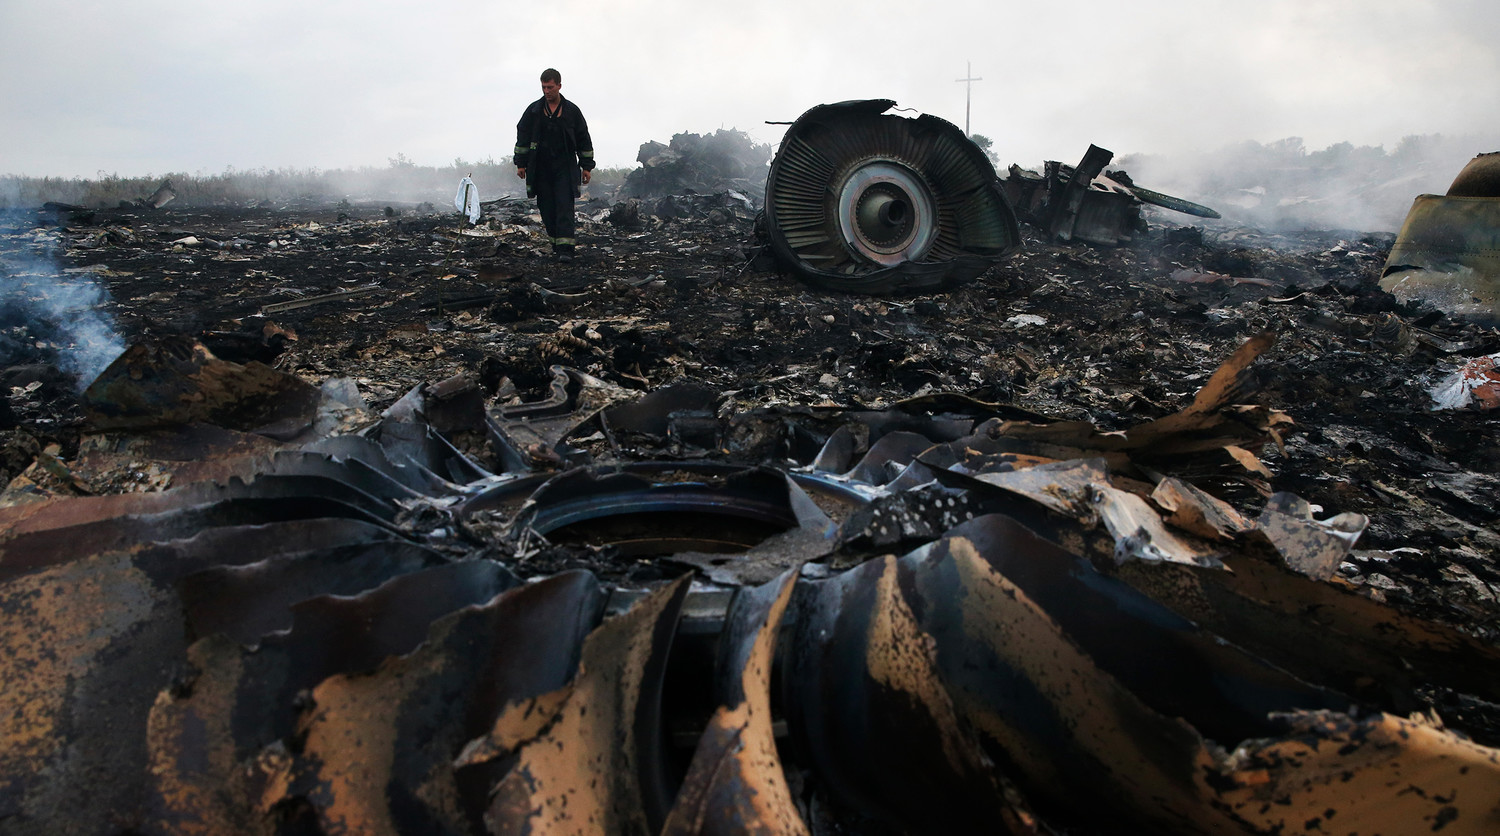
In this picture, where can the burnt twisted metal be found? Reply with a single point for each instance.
(912, 615)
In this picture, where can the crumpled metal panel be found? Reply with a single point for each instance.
(1330, 772)
(589, 759)
(1059, 727)
(866, 707)
(1051, 720)
(1087, 209)
(250, 601)
(1139, 532)
(1446, 255)
(1322, 632)
(735, 783)
(1197, 512)
(529, 434)
(1313, 547)
(379, 748)
(1191, 673)
(88, 643)
(917, 514)
(1084, 202)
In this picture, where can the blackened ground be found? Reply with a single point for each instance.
(1113, 336)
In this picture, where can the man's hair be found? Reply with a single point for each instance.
(550, 74)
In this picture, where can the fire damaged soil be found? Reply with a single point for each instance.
(1061, 345)
(1111, 336)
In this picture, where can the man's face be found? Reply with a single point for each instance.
(549, 91)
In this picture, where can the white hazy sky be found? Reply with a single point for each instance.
(138, 87)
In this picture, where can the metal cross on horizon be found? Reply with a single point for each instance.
(968, 90)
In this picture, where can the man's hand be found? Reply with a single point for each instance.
(586, 177)
(521, 173)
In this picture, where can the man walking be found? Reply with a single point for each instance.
(554, 153)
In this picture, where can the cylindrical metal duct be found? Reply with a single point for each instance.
(865, 202)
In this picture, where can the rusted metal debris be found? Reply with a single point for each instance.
(861, 201)
(703, 164)
(1085, 203)
(733, 783)
(946, 617)
(589, 758)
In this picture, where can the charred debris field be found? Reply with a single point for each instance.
(371, 483)
(1113, 336)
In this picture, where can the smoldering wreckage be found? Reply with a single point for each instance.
(895, 499)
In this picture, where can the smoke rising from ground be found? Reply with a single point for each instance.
(54, 317)
(1283, 186)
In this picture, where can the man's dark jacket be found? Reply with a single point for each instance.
(568, 129)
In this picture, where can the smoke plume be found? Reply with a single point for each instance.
(1282, 186)
(54, 317)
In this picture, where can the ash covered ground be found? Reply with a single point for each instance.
(671, 289)
(678, 289)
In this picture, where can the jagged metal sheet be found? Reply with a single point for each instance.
(1225, 692)
(1322, 631)
(589, 759)
(735, 783)
(864, 701)
(379, 750)
(88, 644)
(808, 538)
(1064, 729)
(251, 601)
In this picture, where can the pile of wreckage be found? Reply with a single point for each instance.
(444, 537)
(945, 616)
(699, 164)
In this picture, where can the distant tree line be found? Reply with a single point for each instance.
(401, 181)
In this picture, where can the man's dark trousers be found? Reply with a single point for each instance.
(554, 197)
